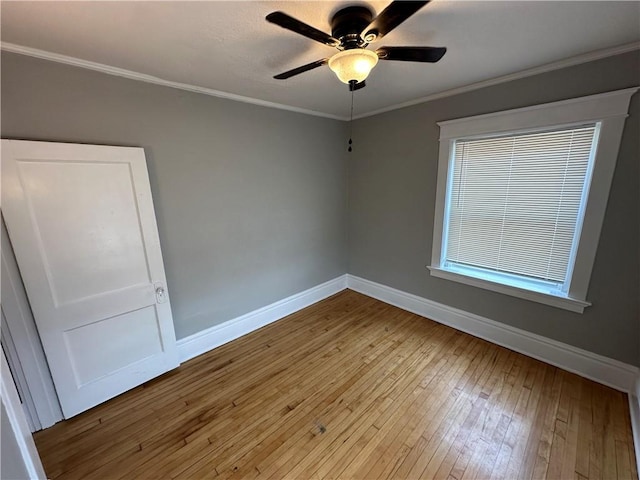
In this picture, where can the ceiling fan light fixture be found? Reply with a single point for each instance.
(353, 65)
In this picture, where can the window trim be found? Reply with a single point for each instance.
(610, 109)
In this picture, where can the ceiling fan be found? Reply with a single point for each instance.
(352, 30)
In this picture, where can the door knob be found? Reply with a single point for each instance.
(161, 295)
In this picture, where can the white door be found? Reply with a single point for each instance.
(83, 228)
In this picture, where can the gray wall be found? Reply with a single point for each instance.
(250, 201)
(392, 186)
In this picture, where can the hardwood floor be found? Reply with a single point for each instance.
(352, 388)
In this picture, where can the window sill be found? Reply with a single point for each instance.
(565, 303)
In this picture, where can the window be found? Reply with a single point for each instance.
(522, 194)
(514, 206)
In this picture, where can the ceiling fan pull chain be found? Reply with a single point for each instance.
(352, 82)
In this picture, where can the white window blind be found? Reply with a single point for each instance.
(514, 202)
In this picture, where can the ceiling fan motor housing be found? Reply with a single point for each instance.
(348, 23)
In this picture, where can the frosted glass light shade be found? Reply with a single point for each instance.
(353, 64)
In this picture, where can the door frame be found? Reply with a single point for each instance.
(18, 376)
(18, 422)
(28, 355)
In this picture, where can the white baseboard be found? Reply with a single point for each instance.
(613, 373)
(607, 371)
(213, 337)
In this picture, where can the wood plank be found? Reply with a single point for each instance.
(464, 369)
(405, 367)
(496, 429)
(322, 409)
(260, 429)
(195, 418)
(585, 430)
(569, 460)
(396, 430)
(440, 415)
(385, 404)
(468, 462)
(351, 388)
(508, 445)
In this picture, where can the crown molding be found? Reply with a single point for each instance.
(142, 77)
(132, 75)
(549, 67)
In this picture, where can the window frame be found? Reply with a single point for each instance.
(609, 110)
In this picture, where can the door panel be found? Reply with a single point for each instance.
(83, 227)
(108, 252)
(142, 340)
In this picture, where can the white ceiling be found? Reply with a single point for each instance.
(229, 47)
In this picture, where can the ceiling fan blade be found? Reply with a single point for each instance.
(286, 21)
(302, 69)
(392, 16)
(411, 54)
